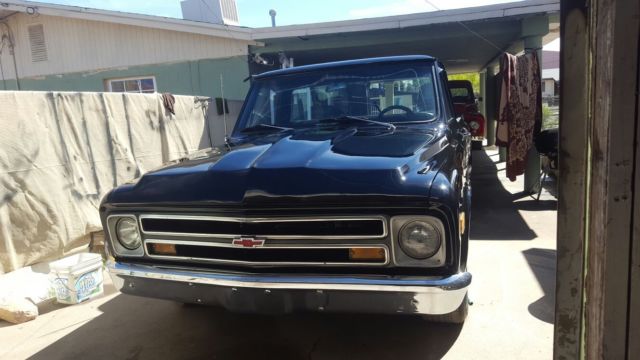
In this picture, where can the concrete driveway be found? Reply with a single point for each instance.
(512, 258)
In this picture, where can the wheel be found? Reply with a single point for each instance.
(476, 145)
(456, 317)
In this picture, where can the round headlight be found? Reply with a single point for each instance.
(419, 239)
(127, 232)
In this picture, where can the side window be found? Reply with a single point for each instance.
(376, 97)
(405, 93)
(414, 94)
(382, 94)
(301, 105)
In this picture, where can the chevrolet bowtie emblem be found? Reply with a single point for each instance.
(247, 242)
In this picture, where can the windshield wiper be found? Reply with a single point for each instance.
(260, 127)
(389, 126)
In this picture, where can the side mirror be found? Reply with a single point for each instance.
(456, 120)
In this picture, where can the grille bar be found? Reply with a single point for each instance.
(292, 228)
(270, 255)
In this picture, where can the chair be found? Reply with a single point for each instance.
(547, 145)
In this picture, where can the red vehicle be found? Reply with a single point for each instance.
(466, 105)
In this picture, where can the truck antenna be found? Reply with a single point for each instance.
(224, 111)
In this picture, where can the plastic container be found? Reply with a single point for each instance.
(77, 278)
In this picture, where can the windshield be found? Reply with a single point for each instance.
(390, 93)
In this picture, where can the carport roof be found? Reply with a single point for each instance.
(465, 40)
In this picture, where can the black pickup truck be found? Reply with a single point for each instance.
(343, 187)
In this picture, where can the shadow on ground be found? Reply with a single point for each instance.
(494, 209)
(139, 328)
(543, 265)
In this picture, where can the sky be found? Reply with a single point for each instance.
(255, 13)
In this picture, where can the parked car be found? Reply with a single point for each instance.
(343, 187)
(466, 105)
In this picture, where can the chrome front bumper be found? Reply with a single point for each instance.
(287, 293)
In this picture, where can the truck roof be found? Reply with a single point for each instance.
(336, 64)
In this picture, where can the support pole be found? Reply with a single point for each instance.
(532, 167)
(492, 98)
(502, 154)
(483, 94)
(533, 29)
(490, 104)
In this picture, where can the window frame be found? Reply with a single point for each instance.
(109, 84)
(448, 108)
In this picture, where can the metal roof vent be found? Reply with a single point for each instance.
(37, 42)
(211, 11)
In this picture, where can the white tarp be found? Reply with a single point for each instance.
(61, 152)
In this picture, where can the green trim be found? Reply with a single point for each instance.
(535, 26)
(198, 77)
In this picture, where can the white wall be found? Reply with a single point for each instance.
(80, 45)
(549, 85)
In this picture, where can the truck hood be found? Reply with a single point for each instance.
(290, 166)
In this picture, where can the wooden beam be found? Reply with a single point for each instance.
(572, 183)
(634, 282)
(615, 35)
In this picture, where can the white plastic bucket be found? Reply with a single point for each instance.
(77, 278)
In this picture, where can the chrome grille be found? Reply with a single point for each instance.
(273, 228)
(268, 255)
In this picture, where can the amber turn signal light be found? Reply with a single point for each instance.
(462, 222)
(163, 249)
(367, 254)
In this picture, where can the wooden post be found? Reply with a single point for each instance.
(615, 31)
(572, 182)
(634, 298)
(597, 303)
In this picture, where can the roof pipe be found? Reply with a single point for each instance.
(273, 13)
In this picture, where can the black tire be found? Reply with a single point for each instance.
(458, 316)
(476, 145)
